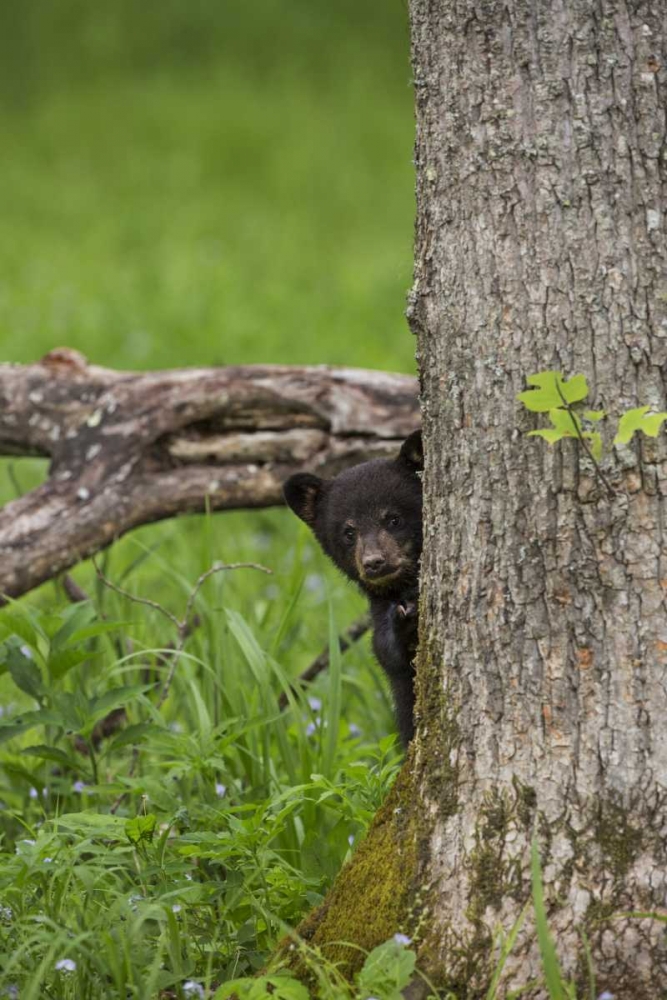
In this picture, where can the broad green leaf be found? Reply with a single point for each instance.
(15, 623)
(141, 828)
(74, 710)
(132, 735)
(9, 729)
(99, 628)
(25, 673)
(91, 824)
(105, 703)
(639, 419)
(51, 753)
(75, 617)
(552, 391)
(62, 661)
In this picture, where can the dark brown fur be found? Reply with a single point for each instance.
(368, 520)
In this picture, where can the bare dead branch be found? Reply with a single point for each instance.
(130, 448)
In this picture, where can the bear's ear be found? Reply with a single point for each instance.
(302, 493)
(412, 451)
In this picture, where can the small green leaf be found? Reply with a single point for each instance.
(25, 673)
(75, 617)
(566, 422)
(552, 391)
(61, 661)
(595, 444)
(549, 435)
(141, 828)
(51, 753)
(132, 735)
(595, 415)
(98, 707)
(279, 987)
(639, 419)
(387, 969)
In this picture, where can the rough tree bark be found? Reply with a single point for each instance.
(542, 675)
(128, 448)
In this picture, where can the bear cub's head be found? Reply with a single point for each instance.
(368, 519)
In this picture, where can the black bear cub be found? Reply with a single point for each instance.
(369, 521)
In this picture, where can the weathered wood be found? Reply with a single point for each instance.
(129, 448)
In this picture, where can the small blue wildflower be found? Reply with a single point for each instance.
(176, 908)
(402, 939)
(220, 789)
(78, 787)
(315, 704)
(354, 729)
(33, 793)
(606, 996)
(350, 839)
(314, 583)
(66, 965)
(193, 989)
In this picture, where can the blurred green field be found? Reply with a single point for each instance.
(192, 183)
(206, 182)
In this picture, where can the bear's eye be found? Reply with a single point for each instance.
(394, 520)
(349, 534)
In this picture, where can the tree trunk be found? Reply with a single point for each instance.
(542, 187)
(542, 684)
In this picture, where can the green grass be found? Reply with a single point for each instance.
(207, 183)
(237, 815)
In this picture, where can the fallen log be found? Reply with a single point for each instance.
(128, 448)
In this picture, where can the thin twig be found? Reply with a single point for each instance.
(136, 600)
(610, 489)
(351, 635)
(73, 590)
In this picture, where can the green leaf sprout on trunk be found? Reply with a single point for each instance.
(561, 400)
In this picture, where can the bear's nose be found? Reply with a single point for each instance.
(373, 563)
